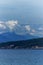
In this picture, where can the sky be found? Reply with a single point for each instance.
(14, 13)
(30, 11)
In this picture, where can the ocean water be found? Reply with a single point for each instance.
(21, 57)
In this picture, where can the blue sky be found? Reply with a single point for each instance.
(31, 2)
(30, 11)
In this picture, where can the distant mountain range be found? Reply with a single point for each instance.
(11, 36)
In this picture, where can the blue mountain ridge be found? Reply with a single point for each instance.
(9, 36)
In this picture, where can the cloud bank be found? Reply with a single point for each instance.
(14, 26)
(7, 26)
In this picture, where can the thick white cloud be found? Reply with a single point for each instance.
(11, 24)
(28, 27)
(7, 26)
(14, 26)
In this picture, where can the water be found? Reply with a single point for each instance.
(21, 57)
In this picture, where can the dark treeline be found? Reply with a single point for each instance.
(33, 43)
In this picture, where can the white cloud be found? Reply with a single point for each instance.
(11, 24)
(2, 26)
(20, 30)
(31, 33)
(7, 26)
(40, 28)
(33, 30)
(28, 27)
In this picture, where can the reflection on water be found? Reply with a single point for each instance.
(21, 57)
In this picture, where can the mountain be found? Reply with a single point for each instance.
(30, 44)
(11, 36)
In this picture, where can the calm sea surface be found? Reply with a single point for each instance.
(21, 57)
